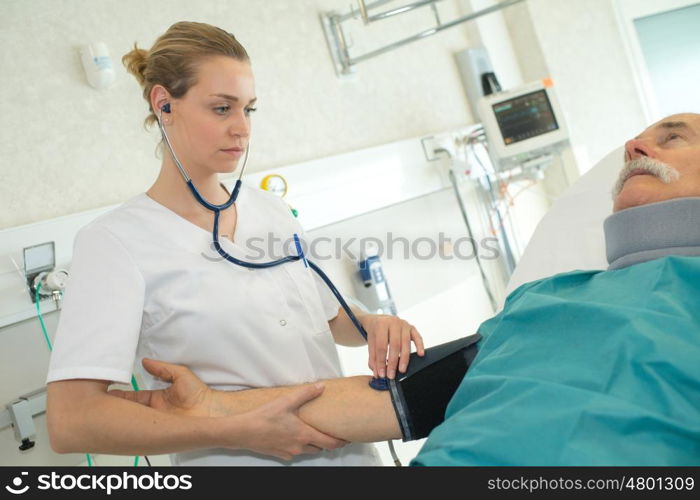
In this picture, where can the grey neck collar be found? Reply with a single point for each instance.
(653, 231)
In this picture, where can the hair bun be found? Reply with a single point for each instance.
(135, 63)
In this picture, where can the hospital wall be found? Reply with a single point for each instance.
(579, 44)
(67, 147)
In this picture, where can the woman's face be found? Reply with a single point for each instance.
(210, 125)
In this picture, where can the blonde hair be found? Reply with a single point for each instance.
(172, 61)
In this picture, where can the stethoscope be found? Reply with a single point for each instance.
(381, 384)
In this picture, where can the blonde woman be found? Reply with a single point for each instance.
(159, 296)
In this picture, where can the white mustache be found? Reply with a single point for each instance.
(663, 172)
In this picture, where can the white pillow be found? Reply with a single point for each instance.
(570, 236)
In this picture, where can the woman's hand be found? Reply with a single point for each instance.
(187, 394)
(273, 428)
(389, 339)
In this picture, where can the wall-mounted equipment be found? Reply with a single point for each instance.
(522, 121)
(20, 415)
(337, 37)
(478, 76)
(98, 66)
(277, 185)
(372, 287)
(274, 183)
(39, 263)
(38, 259)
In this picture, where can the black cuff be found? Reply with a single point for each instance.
(420, 396)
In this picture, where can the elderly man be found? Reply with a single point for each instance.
(583, 368)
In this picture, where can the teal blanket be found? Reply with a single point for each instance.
(584, 368)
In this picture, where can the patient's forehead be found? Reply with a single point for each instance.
(689, 121)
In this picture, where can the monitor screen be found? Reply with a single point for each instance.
(525, 116)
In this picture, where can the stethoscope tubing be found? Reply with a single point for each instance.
(290, 258)
(380, 384)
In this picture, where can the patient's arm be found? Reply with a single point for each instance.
(348, 409)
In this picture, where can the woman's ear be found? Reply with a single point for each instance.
(159, 98)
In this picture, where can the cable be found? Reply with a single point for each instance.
(509, 259)
(455, 186)
(394, 456)
(135, 386)
(560, 156)
(484, 279)
(509, 215)
(37, 299)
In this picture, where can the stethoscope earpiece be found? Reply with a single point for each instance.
(166, 108)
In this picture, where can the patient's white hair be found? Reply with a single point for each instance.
(656, 168)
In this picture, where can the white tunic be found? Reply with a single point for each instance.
(146, 282)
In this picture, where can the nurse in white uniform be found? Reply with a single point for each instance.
(145, 282)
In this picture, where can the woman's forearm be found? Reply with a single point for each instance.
(348, 408)
(344, 331)
(101, 423)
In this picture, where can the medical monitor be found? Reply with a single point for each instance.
(523, 120)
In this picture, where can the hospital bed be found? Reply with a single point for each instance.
(570, 236)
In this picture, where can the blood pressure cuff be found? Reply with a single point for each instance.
(420, 395)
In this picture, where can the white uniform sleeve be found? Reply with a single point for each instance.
(100, 321)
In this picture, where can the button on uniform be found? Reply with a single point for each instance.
(283, 322)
